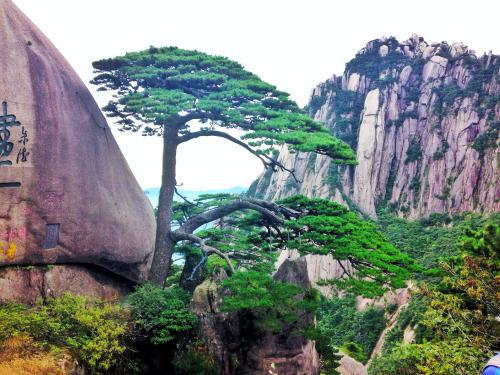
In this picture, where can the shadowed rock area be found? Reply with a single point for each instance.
(67, 194)
(27, 285)
(239, 347)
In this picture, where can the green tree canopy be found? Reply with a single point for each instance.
(162, 91)
(170, 86)
(252, 240)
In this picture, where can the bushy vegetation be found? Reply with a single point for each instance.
(161, 313)
(274, 304)
(488, 139)
(432, 238)
(460, 313)
(439, 154)
(20, 355)
(409, 318)
(94, 333)
(371, 64)
(101, 337)
(195, 360)
(344, 326)
(414, 152)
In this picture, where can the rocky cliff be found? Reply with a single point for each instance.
(423, 120)
(239, 346)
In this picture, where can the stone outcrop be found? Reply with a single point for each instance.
(349, 366)
(423, 120)
(67, 194)
(312, 269)
(30, 284)
(236, 343)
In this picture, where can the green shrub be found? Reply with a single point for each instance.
(195, 361)
(95, 333)
(440, 358)
(488, 139)
(329, 354)
(439, 154)
(340, 322)
(415, 185)
(445, 194)
(414, 152)
(428, 239)
(160, 313)
(410, 316)
(273, 303)
(391, 308)
(371, 64)
(355, 351)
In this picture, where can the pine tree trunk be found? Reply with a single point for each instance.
(164, 245)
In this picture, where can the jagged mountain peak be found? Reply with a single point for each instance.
(414, 46)
(424, 121)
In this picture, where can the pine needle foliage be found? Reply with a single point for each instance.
(168, 86)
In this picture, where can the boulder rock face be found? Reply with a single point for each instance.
(67, 194)
(309, 270)
(30, 284)
(349, 366)
(424, 123)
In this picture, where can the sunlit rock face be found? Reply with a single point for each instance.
(67, 194)
(423, 121)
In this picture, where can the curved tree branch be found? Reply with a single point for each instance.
(268, 161)
(285, 211)
(207, 250)
(217, 213)
(176, 191)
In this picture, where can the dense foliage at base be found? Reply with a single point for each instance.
(460, 314)
(161, 314)
(96, 334)
(274, 304)
(343, 324)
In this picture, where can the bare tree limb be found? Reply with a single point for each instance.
(217, 213)
(180, 236)
(267, 161)
(183, 197)
(285, 211)
(343, 268)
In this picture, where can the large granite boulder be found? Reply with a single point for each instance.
(67, 194)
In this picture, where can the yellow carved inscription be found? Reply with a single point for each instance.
(8, 249)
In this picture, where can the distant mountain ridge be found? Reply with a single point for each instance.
(154, 193)
(424, 121)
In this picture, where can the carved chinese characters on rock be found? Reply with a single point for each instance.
(14, 150)
(8, 239)
(22, 154)
(8, 152)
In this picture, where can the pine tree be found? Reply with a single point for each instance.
(161, 91)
